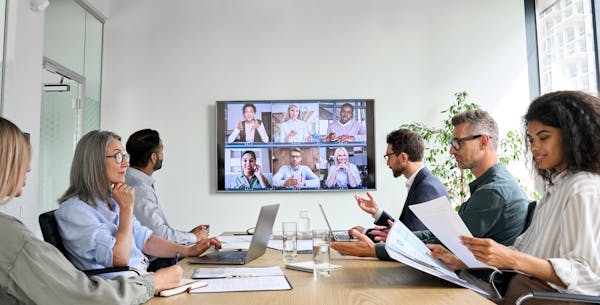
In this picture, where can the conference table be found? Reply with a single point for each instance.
(360, 281)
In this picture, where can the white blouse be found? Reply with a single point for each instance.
(565, 229)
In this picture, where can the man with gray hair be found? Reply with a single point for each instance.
(498, 206)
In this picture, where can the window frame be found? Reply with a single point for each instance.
(533, 51)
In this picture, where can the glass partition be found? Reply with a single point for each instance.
(72, 57)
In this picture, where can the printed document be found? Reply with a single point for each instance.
(403, 246)
(241, 279)
(441, 219)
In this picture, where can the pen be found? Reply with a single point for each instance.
(177, 257)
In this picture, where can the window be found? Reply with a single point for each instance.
(561, 35)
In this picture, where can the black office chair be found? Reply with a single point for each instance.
(52, 236)
(555, 296)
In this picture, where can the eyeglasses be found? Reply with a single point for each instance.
(387, 156)
(455, 143)
(119, 157)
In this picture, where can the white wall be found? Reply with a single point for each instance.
(22, 94)
(167, 62)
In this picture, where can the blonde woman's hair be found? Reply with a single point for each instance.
(335, 155)
(15, 154)
(290, 108)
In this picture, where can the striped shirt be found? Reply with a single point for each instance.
(565, 229)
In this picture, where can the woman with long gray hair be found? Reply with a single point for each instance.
(95, 216)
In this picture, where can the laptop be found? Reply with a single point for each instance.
(258, 244)
(336, 235)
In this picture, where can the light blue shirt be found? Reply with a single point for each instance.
(341, 176)
(303, 172)
(88, 234)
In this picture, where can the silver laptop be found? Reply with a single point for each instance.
(258, 244)
(336, 235)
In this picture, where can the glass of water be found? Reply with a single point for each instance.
(289, 230)
(304, 224)
(321, 253)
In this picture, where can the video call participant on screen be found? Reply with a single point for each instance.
(252, 176)
(497, 207)
(294, 129)
(95, 217)
(404, 156)
(249, 129)
(35, 272)
(343, 173)
(295, 175)
(346, 129)
(146, 156)
(559, 252)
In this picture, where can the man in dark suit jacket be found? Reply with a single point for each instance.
(424, 187)
(404, 156)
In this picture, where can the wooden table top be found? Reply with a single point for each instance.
(359, 282)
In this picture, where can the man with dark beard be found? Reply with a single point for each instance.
(404, 156)
(146, 156)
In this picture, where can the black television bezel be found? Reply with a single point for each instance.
(222, 145)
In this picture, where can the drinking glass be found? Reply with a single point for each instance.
(289, 230)
(321, 253)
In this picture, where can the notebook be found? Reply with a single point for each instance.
(258, 244)
(336, 235)
(184, 286)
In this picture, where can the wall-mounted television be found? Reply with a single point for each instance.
(295, 145)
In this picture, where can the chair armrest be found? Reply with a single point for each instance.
(93, 272)
(557, 296)
(502, 277)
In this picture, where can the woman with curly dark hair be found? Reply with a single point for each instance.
(560, 251)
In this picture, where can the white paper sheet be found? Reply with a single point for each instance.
(397, 240)
(441, 219)
(304, 245)
(241, 242)
(308, 266)
(278, 282)
(231, 272)
(403, 242)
